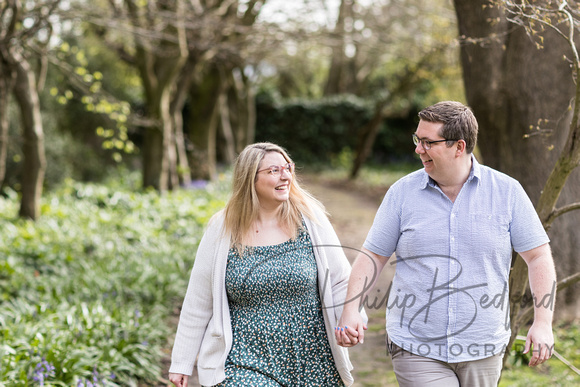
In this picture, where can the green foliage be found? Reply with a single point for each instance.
(317, 131)
(87, 290)
(554, 372)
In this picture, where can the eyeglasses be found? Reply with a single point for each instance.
(426, 144)
(276, 170)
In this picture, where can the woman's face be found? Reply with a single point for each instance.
(273, 190)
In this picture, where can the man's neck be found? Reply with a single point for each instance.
(453, 184)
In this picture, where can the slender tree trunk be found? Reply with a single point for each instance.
(177, 104)
(34, 164)
(159, 66)
(366, 138)
(227, 131)
(243, 104)
(337, 74)
(6, 83)
(203, 121)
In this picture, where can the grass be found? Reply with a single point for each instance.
(552, 373)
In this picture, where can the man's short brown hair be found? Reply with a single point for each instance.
(458, 121)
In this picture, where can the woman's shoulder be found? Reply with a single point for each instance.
(215, 225)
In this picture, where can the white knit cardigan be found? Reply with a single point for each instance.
(204, 329)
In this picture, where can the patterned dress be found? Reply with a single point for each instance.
(279, 338)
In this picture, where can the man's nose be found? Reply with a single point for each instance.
(419, 148)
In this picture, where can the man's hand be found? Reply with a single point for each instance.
(542, 275)
(350, 329)
(540, 340)
(179, 380)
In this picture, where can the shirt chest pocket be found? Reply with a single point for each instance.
(489, 229)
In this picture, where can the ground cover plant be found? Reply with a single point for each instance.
(86, 291)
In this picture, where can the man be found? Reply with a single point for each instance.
(453, 225)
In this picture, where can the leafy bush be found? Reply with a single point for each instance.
(87, 290)
(317, 131)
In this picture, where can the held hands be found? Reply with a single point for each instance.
(179, 380)
(540, 340)
(350, 329)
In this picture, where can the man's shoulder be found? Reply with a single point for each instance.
(493, 176)
(414, 179)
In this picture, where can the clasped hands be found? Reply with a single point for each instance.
(350, 330)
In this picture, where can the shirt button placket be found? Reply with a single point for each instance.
(452, 308)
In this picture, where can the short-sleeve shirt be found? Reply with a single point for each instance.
(449, 299)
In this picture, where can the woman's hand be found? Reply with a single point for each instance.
(179, 380)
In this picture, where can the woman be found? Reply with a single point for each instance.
(267, 286)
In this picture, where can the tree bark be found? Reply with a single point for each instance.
(342, 74)
(34, 164)
(243, 107)
(177, 105)
(6, 83)
(203, 121)
(511, 87)
(159, 66)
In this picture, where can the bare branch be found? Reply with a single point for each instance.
(561, 211)
(528, 313)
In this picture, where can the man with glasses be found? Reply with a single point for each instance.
(452, 226)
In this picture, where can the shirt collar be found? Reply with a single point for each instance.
(474, 173)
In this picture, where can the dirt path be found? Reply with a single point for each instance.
(352, 213)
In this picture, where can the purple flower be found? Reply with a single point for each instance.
(43, 371)
(198, 184)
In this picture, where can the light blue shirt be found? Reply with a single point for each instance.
(449, 298)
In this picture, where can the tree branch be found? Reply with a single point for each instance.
(528, 313)
(562, 210)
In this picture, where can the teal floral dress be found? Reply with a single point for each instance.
(279, 337)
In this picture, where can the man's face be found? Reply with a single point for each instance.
(439, 160)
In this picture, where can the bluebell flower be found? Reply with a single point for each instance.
(43, 371)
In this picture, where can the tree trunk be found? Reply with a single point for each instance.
(511, 86)
(243, 107)
(342, 72)
(229, 148)
(177, 105)
(203, 121)
(6, 84)
(159, 66)
(34, 164)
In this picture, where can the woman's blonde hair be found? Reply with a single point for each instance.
(242, 209)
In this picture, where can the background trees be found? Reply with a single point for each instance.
(169, 88)
(176, 82)
(25, 32)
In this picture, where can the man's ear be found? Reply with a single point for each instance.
(460, 147)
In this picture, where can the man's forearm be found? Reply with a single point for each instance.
(364, 275)
(542, 277)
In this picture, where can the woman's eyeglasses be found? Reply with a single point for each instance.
(276, 170)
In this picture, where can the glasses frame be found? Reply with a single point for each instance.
(288, 167)
(426, 144)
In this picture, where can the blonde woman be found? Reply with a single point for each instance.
(267, 286)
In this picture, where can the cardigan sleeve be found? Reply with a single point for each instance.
(338, 267)
(197, 308)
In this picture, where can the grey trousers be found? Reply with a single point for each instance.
(418, 371)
